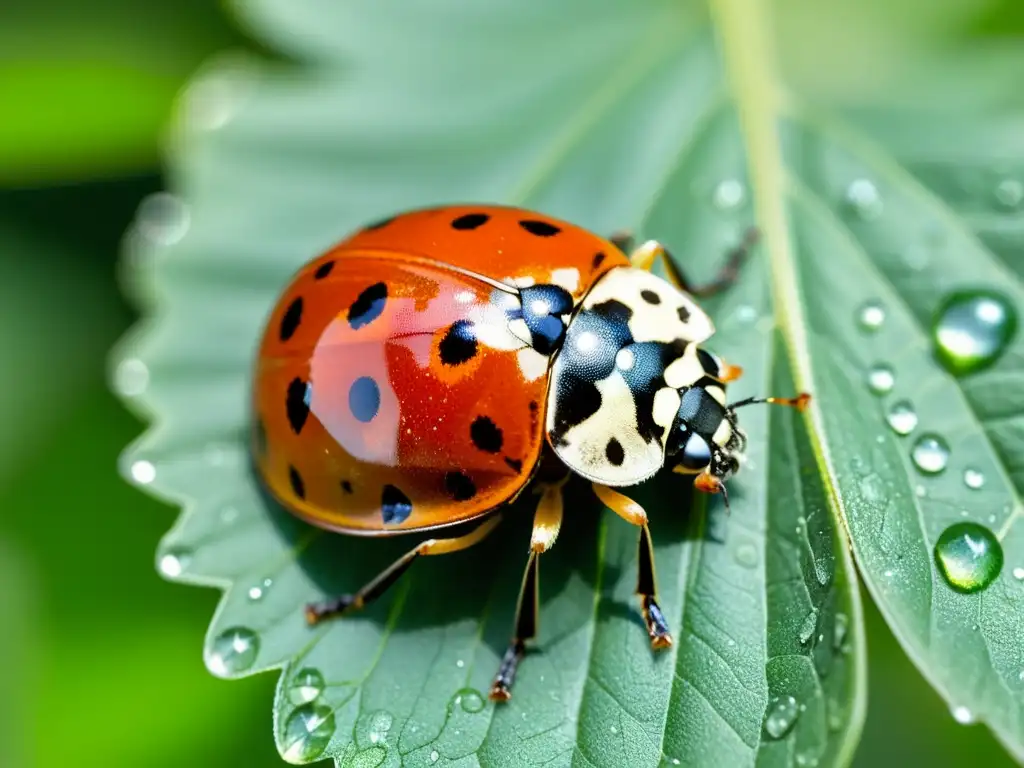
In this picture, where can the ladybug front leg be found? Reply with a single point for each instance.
(546, 523)
(645, 256)
(646, 586)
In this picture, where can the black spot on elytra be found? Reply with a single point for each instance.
(614, 453)
(346, 486)
(486, 435)
(459, 344)
(368, 306)
(378, 224)
(323, 270)
(459, 486)
(298, 487)
(515, 464)
(297, 403)
(650, 296)
(292, 318)
(395, 506)
(599, 257)
(364, 398)
(539, 228)
(470, 221)
(684, 314)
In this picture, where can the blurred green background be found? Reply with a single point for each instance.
(102, 659)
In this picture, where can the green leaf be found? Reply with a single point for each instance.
(623, 114)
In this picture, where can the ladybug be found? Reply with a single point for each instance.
(422, 374)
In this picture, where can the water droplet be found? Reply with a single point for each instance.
(307, 732)
(232, 651)
(1018, 573)
(842, 625)
(972, 328)
(835, 715)
(615, 729)
(470, 700)
(973, 478)
(902, 418)
(1009, 194)
(808, 627)
(870, 316)
(257, 591)
(131, 377)
(969, 556)
(434, 756)
(460, 663)
(174, 561)
(143, 472)
(380, 724)
(781, 716)
(930, 454)
(862, 195)
(920, 491)
(162, 218)
(306, 686)
(963, 715)
(675, 761)
(729, 194)
(881, 379)
(746, 555)
(806, 759)
(745, 314)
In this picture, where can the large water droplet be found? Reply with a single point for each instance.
(306, 686)
(930, 454)
(746, 555)
(881, 379)
(131, 377)
(870, 316)
(162, 218)
(470, 700)
(969, 556)
(902, 418)
(1009, 194)
(863, 197)
(973, 478)
(174, 561)
(781, 716)
(232, 651)
(971, 330)
(729, 194)
(307, 732)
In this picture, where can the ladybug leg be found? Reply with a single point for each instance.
(645, 256)
(546, 523)
(317, 612)
(646, 583)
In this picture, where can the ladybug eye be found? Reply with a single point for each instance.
(696, 453)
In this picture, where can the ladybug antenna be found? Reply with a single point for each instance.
(799, 402)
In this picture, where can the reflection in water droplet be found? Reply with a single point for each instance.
(781, 716)
(930, 454)
(1009, 194)
(232, 651)
(870, 316)
(969, 556)
(143, 472)
(729, 194)
(306, 686)
(973, 478)
(746, 555)
(881, 379)
(162, 218)
(963, 715)
(470, 700)
(307, 732)
(257, 591)
(131, 377)
(809, 625)
(862, 195)
(902, 418)
(174, 561)
(972, 329)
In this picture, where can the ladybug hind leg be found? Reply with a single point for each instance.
(646, 582)
(546, 523)
(648, 253)
(317, 612)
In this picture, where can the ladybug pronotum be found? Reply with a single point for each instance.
(426, 371)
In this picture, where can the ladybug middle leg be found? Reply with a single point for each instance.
(645, 256)
(646, 586)
(317, 612)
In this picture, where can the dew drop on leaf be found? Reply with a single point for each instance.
(470, 700)
(258, 591)
(729, 194)
(1009, 194)
(306, 686)
(131, 377)
(870, 316)
(930, 454)
(806, 759)
(810, 623)
(232, 651)
(969, 556)
(1018, 573)
(434, 756)
(881, 379)
(781, 716)
(902, 418)
(842, 625)
(174, 561)
(972, 329)
(973, 478)
(746, 555)
(963, 715)
(863, 197)
(379, 725)
(143, 472)
(307, 732)
(162, 218)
